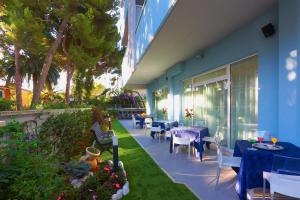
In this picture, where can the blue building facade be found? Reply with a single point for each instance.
(259, 75)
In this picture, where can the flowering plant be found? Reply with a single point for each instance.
(103, 184)
(188, 113)
(164, 110)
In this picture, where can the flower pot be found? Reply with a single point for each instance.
(92, 152)
(93, 163)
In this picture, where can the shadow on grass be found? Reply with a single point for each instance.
(146, 179)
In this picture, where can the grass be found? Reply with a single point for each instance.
(146, 179)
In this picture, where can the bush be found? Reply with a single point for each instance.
(66, 135)
(6, 105)
(25, 174)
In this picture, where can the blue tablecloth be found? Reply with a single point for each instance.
(254, 162)
(165, 125)
(141, 120)
(196, 134)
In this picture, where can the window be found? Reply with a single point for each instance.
(161, 103)
(139, 10)
(1, 94)
(244, 98)
(231, 107)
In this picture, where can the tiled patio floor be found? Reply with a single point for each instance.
(198, 176)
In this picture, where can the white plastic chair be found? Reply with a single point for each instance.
(167, 134)
(182, 141)
(148, 124)
(282, 183)
(134, 121)
(211, 139)
(224, 161)
(157, 130)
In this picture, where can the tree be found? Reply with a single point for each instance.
(89, 28)
(93, 35)
(19, 28)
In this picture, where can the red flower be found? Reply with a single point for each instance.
(107, 169)
(117, 186)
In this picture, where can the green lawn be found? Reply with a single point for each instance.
(146, 179)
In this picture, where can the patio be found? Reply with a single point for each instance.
(200, 177)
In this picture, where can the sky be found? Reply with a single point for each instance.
(60, 87)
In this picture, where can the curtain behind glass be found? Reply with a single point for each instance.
(210, 104)
(244, 98)
(161, 103)
(187, 101)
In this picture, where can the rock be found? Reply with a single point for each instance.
(110, 163)
(118, 195)
(126, 188)
(76, 183)
(121, 165)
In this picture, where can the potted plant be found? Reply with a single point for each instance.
(92, 155)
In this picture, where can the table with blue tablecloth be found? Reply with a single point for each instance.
(140, 120)
(254, 162)
(195, 134)
(164, 125)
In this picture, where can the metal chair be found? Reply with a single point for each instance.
(224, 161)
(284, 177)
(103, 139)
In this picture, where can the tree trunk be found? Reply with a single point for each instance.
(48, 61)
(8, 81)
(49, 86)
(70, 71)
(34, 82)
(18, 77)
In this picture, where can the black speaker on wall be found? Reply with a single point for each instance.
(268, 30)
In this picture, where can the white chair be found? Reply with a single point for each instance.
(211, 139)
(134, 121)
(224, 161)
(157, 131)
(167, 134)
(181, 141)
(148, 124)
(282, 183)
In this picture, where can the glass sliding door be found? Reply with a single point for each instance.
(210, 105)
(161, 103)
(187, 101)
(244, 98)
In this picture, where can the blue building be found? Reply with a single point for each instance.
(233, 64)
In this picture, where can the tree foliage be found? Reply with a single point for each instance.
(86, 27)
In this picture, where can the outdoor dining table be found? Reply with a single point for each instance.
(165, 125)
(254, 162)
(195, 134)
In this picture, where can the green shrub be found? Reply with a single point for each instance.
(13, 128)
(6, 105)
(24, 173)
(66, 135)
